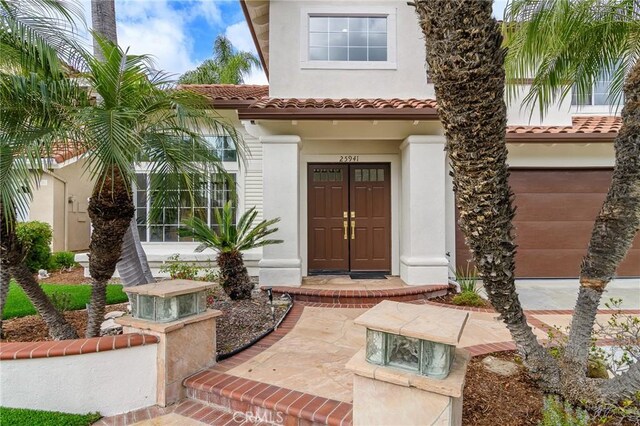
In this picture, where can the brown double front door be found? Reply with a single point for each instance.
(349, 209)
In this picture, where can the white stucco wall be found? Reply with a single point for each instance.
(110, 382)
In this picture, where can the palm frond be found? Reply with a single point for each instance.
(565, 44)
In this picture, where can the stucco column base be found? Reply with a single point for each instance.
(186, 347)
(424, 271)
(409, 399)
(284, 272)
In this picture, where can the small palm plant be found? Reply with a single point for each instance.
(230, 240)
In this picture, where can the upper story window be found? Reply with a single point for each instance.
(598, 95)
(348, 38)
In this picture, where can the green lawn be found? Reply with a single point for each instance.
(18, 305)
(22, 417)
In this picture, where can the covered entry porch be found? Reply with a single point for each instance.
(353, 196)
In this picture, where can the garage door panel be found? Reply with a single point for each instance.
(558, 207)
(553, 235)
(545, 181)
(555, 213)
(565, 263)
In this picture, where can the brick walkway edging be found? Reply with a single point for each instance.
(54, 348)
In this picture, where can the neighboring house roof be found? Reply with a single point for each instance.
(61, 153)
(230, 96)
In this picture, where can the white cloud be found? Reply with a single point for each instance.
(240, 37)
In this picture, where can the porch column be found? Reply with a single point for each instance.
(281, 264)
(423, 249)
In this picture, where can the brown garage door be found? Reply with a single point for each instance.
(554, 218)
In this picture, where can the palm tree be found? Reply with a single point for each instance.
(230, 240)
(569, 43)
(32, 37)
(228, 66)
(133, 267)
(466, 64)
(136, 117)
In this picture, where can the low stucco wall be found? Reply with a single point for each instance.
(110, 380)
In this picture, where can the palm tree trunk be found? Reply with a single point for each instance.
(615, 227)
(111, 210)
(5, 280)
(12, 255)
(466, 64)
(235, 278)
(59, 328)
(133, 268)
(103, 21)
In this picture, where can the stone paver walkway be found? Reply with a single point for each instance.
(306, 358)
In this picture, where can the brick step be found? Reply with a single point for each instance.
(364, 298)
(261, 402)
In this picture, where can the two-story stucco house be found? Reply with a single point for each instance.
(347, 149)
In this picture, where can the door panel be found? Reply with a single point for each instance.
(370, 202)
(328, 200)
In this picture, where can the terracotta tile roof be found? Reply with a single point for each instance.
(341, 108)
(230, 96)
(592, 127)
(61, 152)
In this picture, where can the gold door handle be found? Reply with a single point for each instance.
(353, 225)
(345, 223)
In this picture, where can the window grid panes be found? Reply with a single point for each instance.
(348, 38)
(597, 95)
(223, 147)
(213, 194)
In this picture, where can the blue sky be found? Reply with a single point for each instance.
(180, 33)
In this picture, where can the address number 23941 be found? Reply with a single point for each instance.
(349, 158)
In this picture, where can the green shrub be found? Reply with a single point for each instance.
(62, 260)
(555, 413)
(467, 278)
(21, 417)
(468, 298)
(36, 240)
(179, 270)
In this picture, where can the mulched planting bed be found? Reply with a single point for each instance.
(33, 329)
(490, 399)
(74, 276)
(243, 320)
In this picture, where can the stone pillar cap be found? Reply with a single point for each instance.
(426, 322)
(169, 288)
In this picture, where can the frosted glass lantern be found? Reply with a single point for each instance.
(418, 339)
(168, 300)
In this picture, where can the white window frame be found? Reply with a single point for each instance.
(232, 167)
(348, 11)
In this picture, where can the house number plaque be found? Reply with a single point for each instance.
(349, 158)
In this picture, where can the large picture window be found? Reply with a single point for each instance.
(212, 195)
(348, 38)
